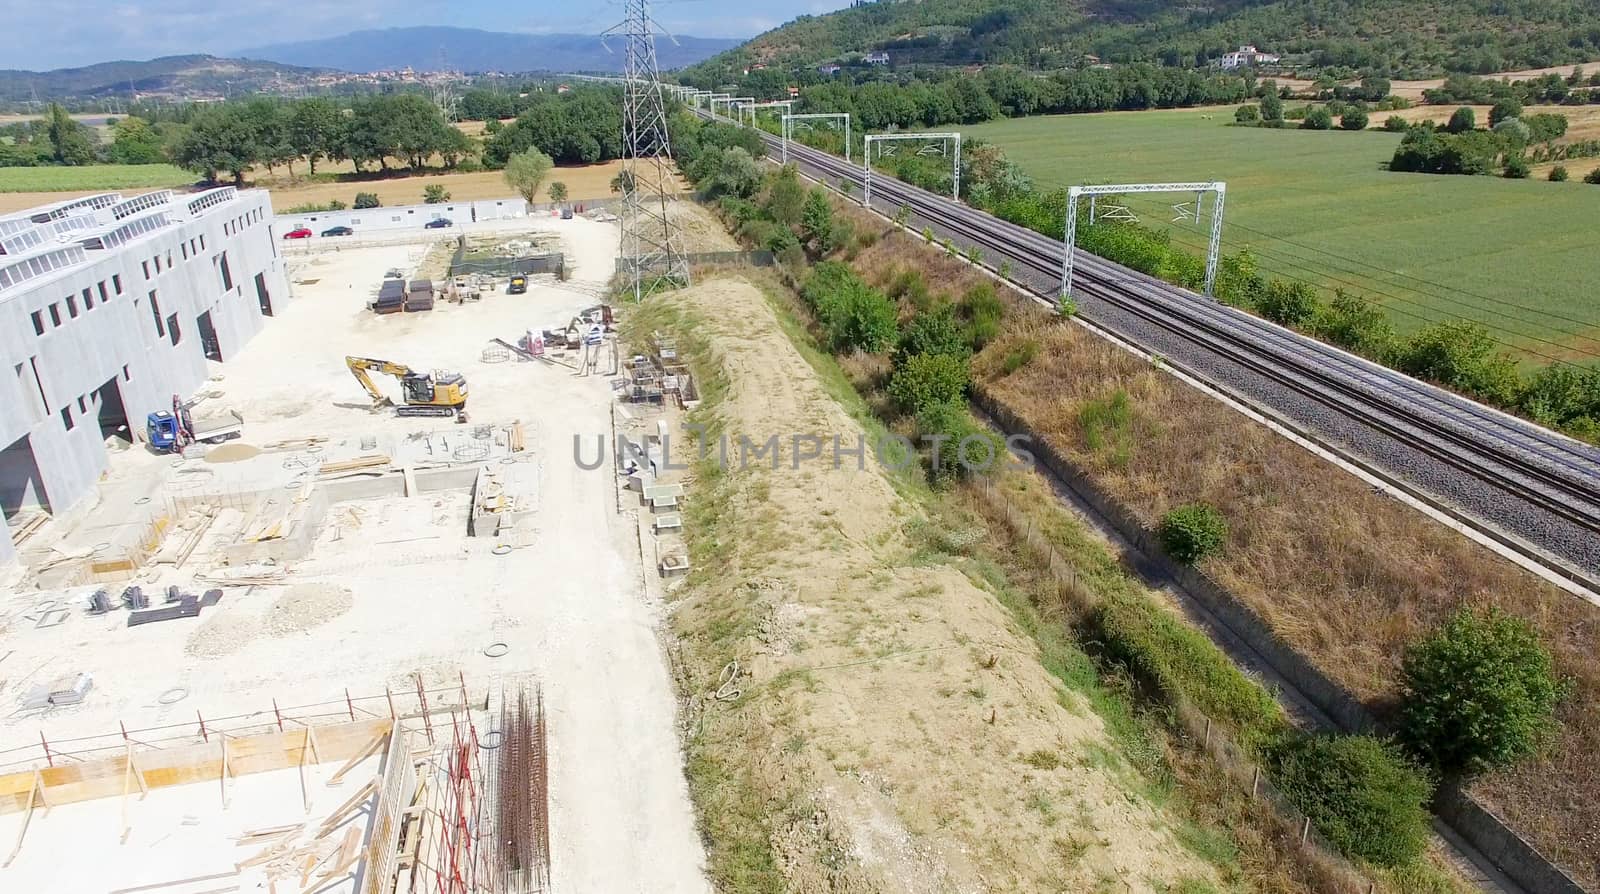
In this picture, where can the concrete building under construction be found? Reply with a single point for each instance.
(109, 308)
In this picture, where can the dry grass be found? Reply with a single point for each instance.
(1583, 122)
(586, 183)
(1343, 574)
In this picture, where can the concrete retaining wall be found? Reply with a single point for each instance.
(403, 217)
(1515, 857)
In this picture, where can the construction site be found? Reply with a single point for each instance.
(383, 628)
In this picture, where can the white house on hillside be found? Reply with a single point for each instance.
(1247, 56)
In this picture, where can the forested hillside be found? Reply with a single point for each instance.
(1401, 37)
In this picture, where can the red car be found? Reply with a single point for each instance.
(301, 233)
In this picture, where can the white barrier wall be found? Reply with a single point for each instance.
(404, 217)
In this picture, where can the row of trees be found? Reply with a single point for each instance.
(58, 139)
(965, 99)
(1576, 88)
(232, 137)
(1459, 147)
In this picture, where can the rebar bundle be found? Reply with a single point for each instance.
(651, 244)
(523, 802)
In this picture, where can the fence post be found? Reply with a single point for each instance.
(1305, 830)
(1255, 781)
(390, 696)
(49, 761)
(1207, 742)
(203, 736)
(349, 705)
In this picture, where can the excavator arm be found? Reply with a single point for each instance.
(361, 366)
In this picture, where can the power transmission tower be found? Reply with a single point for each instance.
(651, 244)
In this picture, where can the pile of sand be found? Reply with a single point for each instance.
(232, 453)
(305, 606)
(222, 634)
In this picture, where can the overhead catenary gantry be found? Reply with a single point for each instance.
(789, 125)
(786, 104)
(943, 140)
(1199, 191)
(729, 100)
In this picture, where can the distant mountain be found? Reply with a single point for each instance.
(471, 50)
(188, 75)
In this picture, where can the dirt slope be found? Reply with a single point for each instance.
(894, 729)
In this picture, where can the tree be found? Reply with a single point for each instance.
(1479, 693)
(218, 139)
(1353, 119)
(434, 194)
(70, 142)
(315, 127)
(737, 175)
(1317, 118)
(1247, 115)
(786, 197)
(1462, 120)
(134, 142)
(558, 192)
(1271, 106)
(1509, 107)
(925, 380)
(367, 200)
(526, 171)
(816, 221)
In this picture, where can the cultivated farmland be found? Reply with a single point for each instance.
(91, 177)
(1513, 255)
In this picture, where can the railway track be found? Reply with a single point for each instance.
(1518, 471)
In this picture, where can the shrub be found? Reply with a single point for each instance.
(1247, 115)
(1464, 356)
(1558, 174)
(1479, 693)
(1317, 118)
(1360, 792)
(935, 332)
(434, 194)
(927, 379)
(1592, 177)
(927, 235)
(1355, 324)
(1505, 109)
(958, 446)
(1288, 303)
(1066, 308)
(1190, 533)
(1020, 356)
(949, 247)
(1353, 119)
(854, 316)
(1395, 124)
(1462, 120)
(367, 200)
(984, 311)
(1516, 168)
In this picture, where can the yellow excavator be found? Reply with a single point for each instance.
(438, 394)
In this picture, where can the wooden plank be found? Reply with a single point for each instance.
(27, 818)
(358, 757)
(337, 816)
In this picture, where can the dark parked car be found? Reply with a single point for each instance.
(298, 233)
(439, 223)
(338, 231)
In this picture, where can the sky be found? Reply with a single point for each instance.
(70, 33)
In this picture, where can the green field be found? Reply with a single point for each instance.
(1517, 256)
(91, 177)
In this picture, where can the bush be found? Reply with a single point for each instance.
(1462, 120)
(1288, 303)
(1516, 168)
(1190, 533)
(1247, 115)
(1505, 109)
(983, 310)
(434, 194)
(1558, 174)
(958, 446)
(1354, 119)
(935, 332)
(853, 315)
(1020, 356)
(1463, 356)
(1395, 124)
(1317, 118)
(1479, 693)
(1355, 324)
(1592, 177)
(927, 379)
(1360, 792)
(367, 200)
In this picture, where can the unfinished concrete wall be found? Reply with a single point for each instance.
(67, 334)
